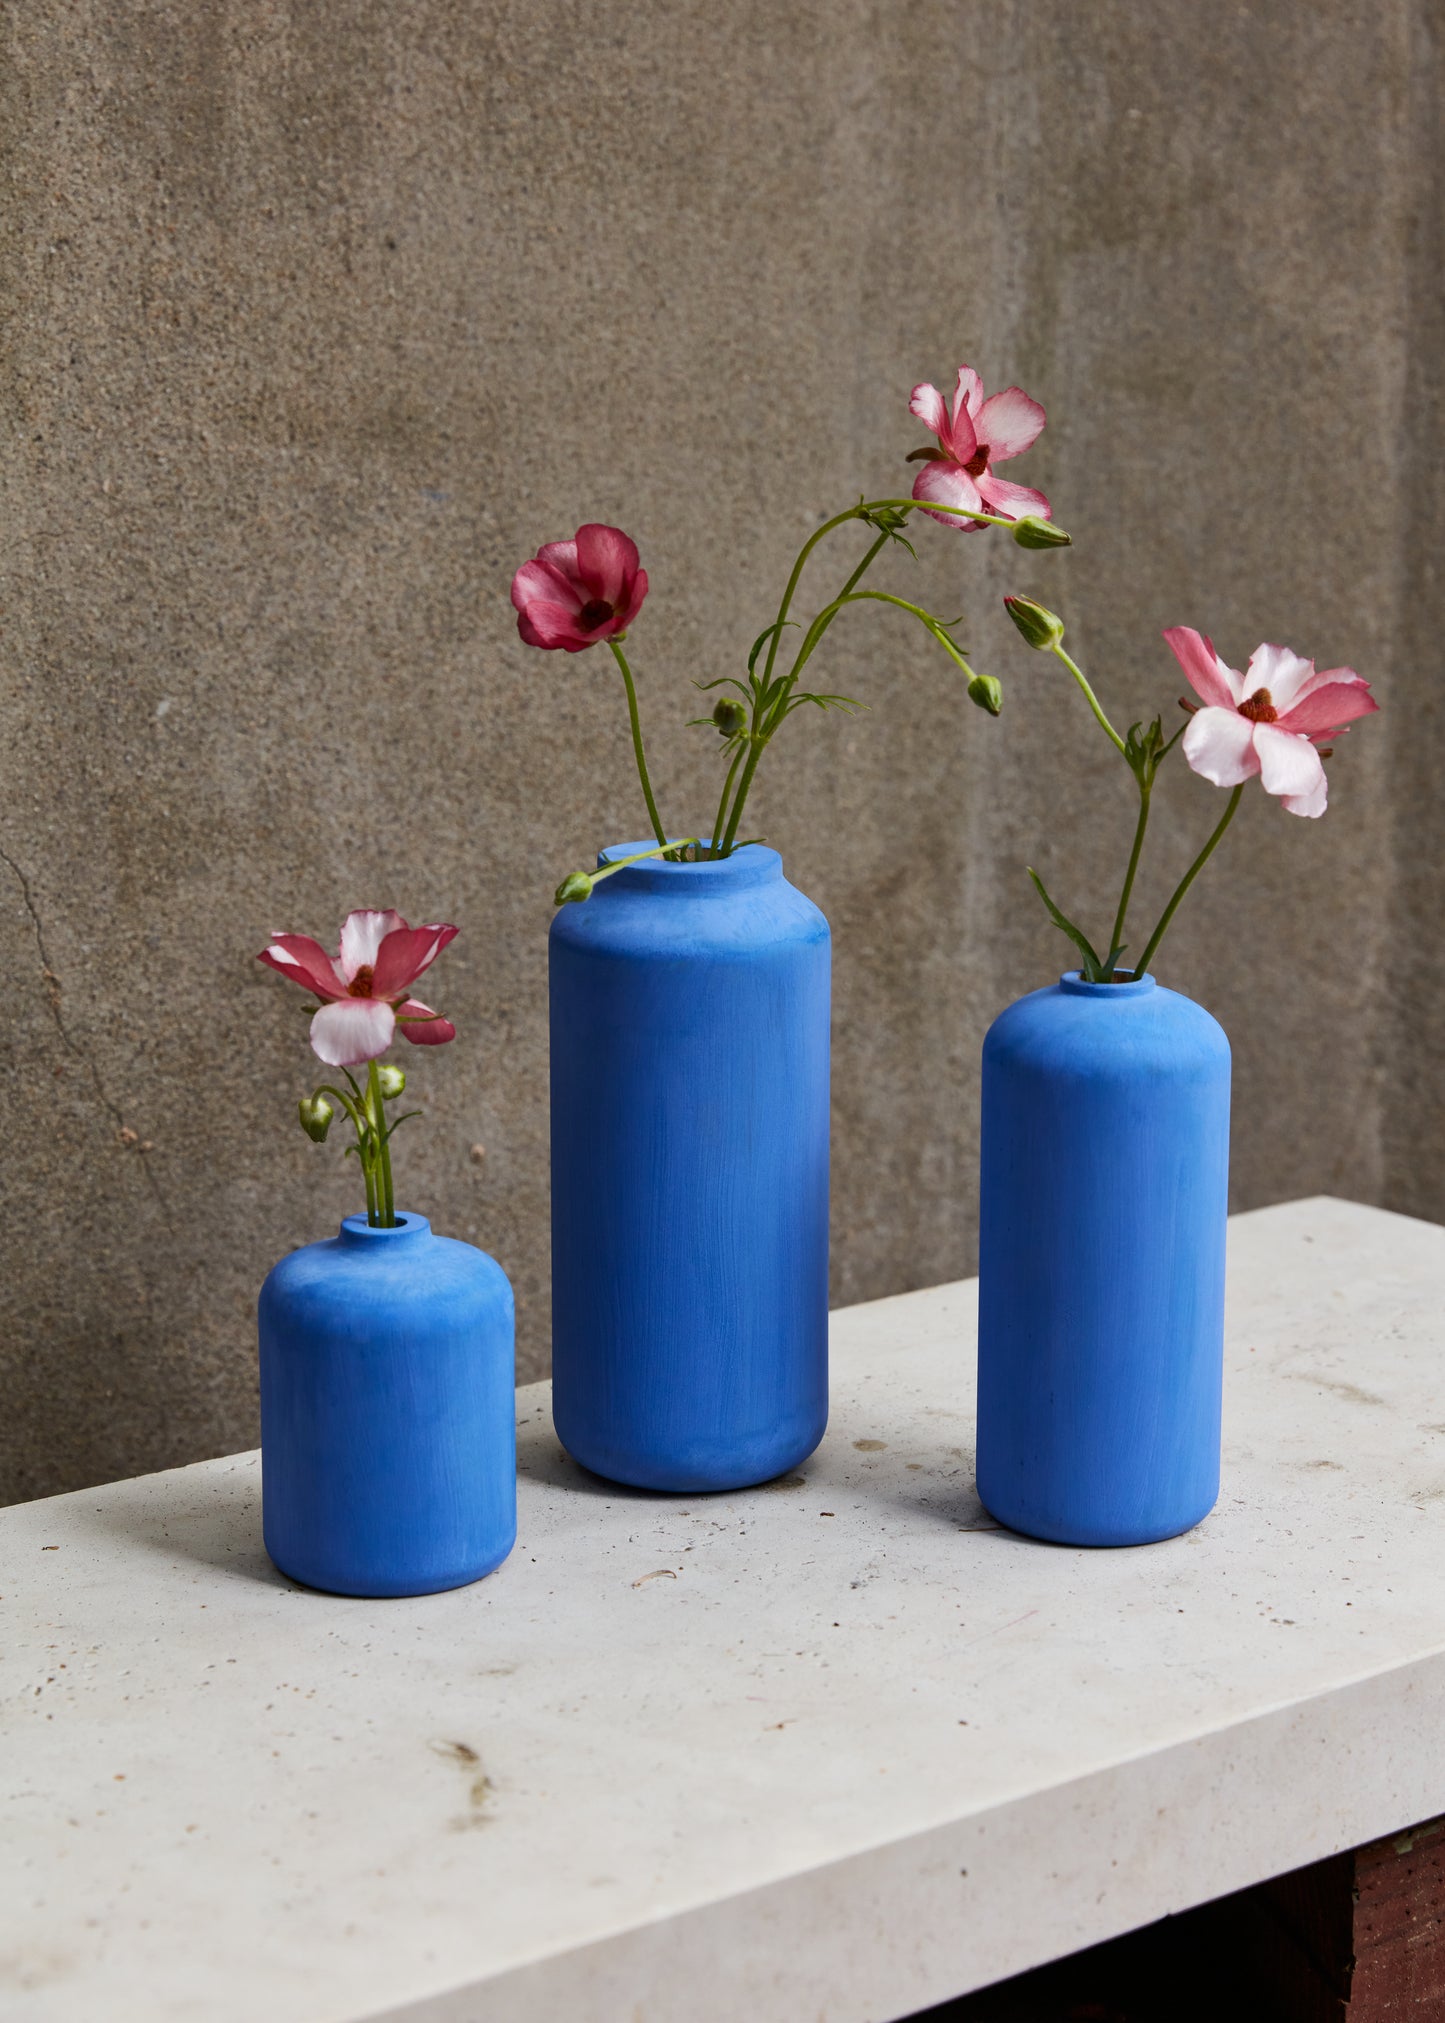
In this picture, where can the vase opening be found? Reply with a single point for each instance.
(356, 1228)
(753, 864)
(1125, 985)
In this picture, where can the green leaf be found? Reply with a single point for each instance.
(765, 635)
(1093, 968)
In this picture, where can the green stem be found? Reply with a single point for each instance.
(621, 659)
(722, 806)
(1116, 939)
(380, 1150)
(1093, 701)
(1187, 880)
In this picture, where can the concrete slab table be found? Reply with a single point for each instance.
(838, 1748)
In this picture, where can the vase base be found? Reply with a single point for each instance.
(1051, 1530)
(382, 1586)
(746, 1466)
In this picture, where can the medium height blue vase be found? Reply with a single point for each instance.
(690, 1015)
(1101, 1263)
(388, 1423)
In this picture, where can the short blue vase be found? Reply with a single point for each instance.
(1105, 1150)
(690, 1034)
(388, 1423)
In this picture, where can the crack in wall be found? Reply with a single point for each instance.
(72, 1046)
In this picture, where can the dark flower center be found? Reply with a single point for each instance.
(1259, 707)
(360, 984)
(595, 613)
(978, 462)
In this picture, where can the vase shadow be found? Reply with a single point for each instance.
(217, 1526)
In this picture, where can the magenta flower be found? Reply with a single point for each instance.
(363, 989)
(580, 592)
(1269, 721)
(973, 438)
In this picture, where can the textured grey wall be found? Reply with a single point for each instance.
(321, 318)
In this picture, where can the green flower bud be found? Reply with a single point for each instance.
(316, 1114)
(1036, 622)
(391, 1081)
(985, 690)
(729, 715)
(1032, 532)
(576, 885)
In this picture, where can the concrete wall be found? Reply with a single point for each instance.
(319, 319)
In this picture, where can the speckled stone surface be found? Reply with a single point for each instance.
(318, 320)
(836, 1748)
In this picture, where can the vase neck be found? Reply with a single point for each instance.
(1073, 982)
(356, 1229)
(754, 864)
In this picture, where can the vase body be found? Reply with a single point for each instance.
(388, 1427)
(1105, 1155)
(689, 1072)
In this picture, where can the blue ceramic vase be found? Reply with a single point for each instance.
(1105, 1145)
(690, 1033)
(388, 1424)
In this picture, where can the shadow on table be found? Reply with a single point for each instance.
(216, 1526)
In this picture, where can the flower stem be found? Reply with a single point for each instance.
(621, 659)
(1116, 938)
(722, 806)
(380, 1149)
(1093, 701)
(1187, 880)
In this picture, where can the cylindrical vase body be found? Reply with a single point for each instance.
(1105, 1157)
(388, 1423)
(690, 1035)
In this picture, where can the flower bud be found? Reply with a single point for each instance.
(1036, 622)
(729, 715)
(391, 1081)
(1032, 532)
(316, 1114)
(987, 692)
(576, 885)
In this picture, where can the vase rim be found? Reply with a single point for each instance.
(356, 1228)
(753, 864)
(1073, 982)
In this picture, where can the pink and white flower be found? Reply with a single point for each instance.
(577, 593)
(972, 437)
(363, 988)
(1270, 720)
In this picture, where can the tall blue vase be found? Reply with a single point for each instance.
(1105, 1144)
(388, 1422)
(690, 1032)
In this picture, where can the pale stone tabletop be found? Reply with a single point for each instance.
(836, 1749)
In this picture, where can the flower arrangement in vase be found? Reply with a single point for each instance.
(388, 1429)
(690, 995)
(1105, 1150)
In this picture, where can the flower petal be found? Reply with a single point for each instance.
(628, 611)
(606, 562)
(306, 962)
(1013, 501)
(1009, 422)
(362, 934)
(543, 582)
(1330, 701)
(353, 1030)
(1312, 804)
(1279, 670)
(929, 405)
(431, 1031)
(1288, 765)
(404, 954)
(967, 394)
(551, 626)
(951, 485)
(1205, 672)
(1219, 743)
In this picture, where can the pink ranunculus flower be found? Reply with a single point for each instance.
(363, 988)
(975, 436)
(1269, 720)
(580, 592)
